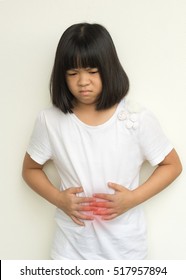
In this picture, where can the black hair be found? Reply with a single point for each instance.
(85, 45)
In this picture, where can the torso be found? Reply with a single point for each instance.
(94, 151)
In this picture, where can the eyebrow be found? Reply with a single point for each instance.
(87, 68)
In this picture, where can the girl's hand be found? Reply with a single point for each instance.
(115, 204)
(72, 205)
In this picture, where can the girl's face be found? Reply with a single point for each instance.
(85, 84)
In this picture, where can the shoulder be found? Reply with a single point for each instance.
(135, 116)
(131, 113)
(50, 118)
(51, 113)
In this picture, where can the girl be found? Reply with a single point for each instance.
(98, 142)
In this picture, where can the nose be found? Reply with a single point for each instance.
(83, 79)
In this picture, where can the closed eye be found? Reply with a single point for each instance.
(74, 72)
(71, 73)
(93, 71)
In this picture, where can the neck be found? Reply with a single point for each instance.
(78, 106)
(89, 115)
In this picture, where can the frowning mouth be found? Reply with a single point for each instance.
(85, 92)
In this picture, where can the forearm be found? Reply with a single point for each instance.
(158, 181)
(65, 200)
(39, 182)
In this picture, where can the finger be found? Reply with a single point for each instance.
(85, 208)
(83, 216)
(75, 190)
(104, 212)
(109, 217)
(78, 222)
(85, 199)
(87, 217)
(102, 204)
(115, 187)
(77, 218)
(103, 196)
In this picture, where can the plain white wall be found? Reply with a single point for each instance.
(149, 37)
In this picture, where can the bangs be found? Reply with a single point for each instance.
(81, 57)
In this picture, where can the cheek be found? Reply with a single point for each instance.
(96, 81)
(70, 84)
(99, 83)
(99, 86)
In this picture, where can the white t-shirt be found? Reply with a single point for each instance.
(92, 156)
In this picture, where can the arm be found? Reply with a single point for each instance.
(67, 200)
(123, 199)
(166, 172)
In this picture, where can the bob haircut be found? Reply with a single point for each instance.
(85, 45)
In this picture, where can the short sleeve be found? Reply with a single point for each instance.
(39, 147)
(154, 143)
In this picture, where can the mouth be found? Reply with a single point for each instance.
(85, 92)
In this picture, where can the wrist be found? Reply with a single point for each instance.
(55, 198)
(136, 197)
